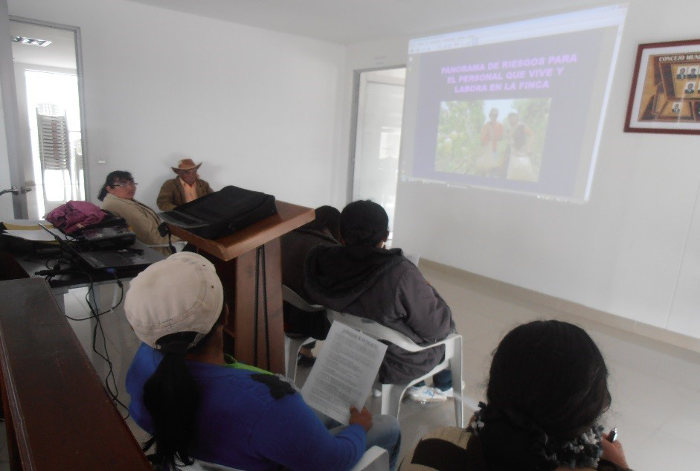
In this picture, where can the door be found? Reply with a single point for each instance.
(51, 147)
(377, 136)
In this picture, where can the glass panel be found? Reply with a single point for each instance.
(378, 136)
(47, 76)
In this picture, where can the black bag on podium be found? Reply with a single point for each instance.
(222, 212)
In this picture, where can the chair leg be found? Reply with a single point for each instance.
(391, 398)
(291, 350)
(456, 369)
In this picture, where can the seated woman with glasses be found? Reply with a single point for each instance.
(117, 196)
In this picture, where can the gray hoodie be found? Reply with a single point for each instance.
(384, 286)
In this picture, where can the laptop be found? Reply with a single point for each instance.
(127, 259)
(136, 257)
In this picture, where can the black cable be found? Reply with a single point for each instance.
(256, 306)
(170, 242)
(112, 390)
(164, 229)
(48, 261)
(260, 271)
(98, 314)
(110, 386)
(267, 323)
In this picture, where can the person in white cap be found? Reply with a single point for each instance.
(186, 187)
(198, 403)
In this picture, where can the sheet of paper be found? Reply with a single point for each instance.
(343, 373)
(29, 230)
(31, 234)
(20, 223)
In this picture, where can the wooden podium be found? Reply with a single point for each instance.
(249, 265)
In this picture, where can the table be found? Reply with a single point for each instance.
(57, 414)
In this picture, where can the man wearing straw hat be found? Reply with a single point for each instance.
(186, 187)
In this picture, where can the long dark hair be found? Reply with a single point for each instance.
(547, 386)
(172, 398)
(363, 223)
(112, 178)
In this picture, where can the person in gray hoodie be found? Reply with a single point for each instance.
(363, 278)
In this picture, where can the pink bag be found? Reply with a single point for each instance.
(75, 215)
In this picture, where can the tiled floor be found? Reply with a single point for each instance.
(655, 387)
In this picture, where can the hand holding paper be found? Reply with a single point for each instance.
(362, 418)
(344, 372)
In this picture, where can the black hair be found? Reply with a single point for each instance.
(547, 379)
(327, 218)
(363, 223)
(113, 178)
(172, 398)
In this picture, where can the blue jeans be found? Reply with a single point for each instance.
(385, 433)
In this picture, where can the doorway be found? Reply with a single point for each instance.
(375, 156)
(52, 142)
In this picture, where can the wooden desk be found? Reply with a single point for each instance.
(238, 257)
(57, 414)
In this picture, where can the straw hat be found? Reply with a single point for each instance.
(186, 164)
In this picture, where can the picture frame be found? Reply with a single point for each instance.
(664, 97)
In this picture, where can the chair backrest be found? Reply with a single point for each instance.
(292, 297)
(381, 332)
(374, 459)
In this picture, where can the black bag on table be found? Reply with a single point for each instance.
(222, 212)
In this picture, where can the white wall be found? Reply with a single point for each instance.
(633, 250)
(260, 109)
(6, 211)
(6, 207)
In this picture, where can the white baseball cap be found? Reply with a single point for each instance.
(182, 293)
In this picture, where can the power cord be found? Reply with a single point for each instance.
(163, 230)
(110, 380)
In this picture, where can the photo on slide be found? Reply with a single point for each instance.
(501, 139)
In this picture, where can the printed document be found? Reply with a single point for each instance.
(28, 229)
(343, 373)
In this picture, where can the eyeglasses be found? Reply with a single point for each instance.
(129, 183)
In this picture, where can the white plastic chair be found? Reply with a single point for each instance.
(374, 459)
(293, 344)
(393, 393)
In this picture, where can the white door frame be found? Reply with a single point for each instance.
(17, 154)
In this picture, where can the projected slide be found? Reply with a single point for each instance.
(517, 107)
(492, 138)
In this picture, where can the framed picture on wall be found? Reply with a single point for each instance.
(665, 94)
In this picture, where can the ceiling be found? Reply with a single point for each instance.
(352, 21)
(60, 53)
